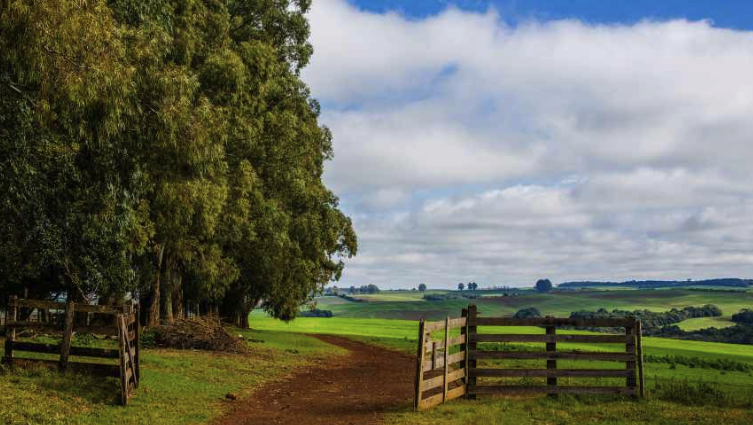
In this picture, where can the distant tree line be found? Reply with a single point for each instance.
(650, 319)
(738, 334)
(364, 289)
(646, 284)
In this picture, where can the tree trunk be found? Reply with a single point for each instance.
(178, 297)
(153, 309)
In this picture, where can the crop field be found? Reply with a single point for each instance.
(410, 304)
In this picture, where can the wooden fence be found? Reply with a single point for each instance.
(113, 321)
(470, 353)
(440, 373)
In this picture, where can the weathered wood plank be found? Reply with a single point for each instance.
(639, 355)
(555, 321)
(65, 346)
(454, 323)
(543, 389)
(550, 373)
(430, 402)
(446, 354)
(520, 355)
(456, 392)
(551, 348)
(600, 339)
(438, 381)
(456, 340)
(419, 366)
(471, 346)
(452, 359)
(48, 305)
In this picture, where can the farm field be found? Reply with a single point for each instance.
(410, 305)
(688, 370)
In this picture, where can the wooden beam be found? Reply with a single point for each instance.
(639, 347)
(556, 321)
(419, 366)
(528, 355)
(543, 389)
(551, 348)
(65, 347)
(551, 373)
(471, 346)
(446, 359)
(599, 339)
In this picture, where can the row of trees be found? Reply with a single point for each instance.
(166, 149)
(651, 319)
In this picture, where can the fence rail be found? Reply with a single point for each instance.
(123, 324)
(457, 373)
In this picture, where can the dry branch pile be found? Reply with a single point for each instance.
(200, 334)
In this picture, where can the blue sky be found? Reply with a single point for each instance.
(725, 13)
(567, 140)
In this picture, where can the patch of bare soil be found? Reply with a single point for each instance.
(355, 389)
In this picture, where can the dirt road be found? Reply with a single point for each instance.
(355, 389)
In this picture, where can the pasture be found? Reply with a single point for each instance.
(687, 381)
(410, 305)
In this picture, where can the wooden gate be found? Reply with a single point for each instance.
(440, 373)
(120, 321)
(496, 346)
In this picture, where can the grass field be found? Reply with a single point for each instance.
(678, 393)
(410, 305)
(185, 387)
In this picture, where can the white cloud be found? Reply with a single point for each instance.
(633, 143)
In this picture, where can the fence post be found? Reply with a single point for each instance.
(472, 313)
(65, 347)
(446, 358)
(639, 347)
(630, 349)
(464, 331)
(420, 365)
(137, 342)
(10, 332)
(551, 351)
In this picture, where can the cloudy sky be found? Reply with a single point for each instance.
(508, 141)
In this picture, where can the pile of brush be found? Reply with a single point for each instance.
(198, 334)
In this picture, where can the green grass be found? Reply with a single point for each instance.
(177, 386)
(570, 410)
(705, 322)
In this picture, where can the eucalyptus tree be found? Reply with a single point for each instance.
(166, 148)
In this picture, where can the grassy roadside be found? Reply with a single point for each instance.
(570, 410)
(178, 386)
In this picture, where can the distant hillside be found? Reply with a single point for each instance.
(729, 282)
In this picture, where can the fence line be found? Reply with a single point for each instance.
(123, 322)
(461, 371)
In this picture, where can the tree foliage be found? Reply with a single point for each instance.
(543, 285)
(168, 149)
(422, 287)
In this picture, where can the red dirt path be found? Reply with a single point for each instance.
(354, 389)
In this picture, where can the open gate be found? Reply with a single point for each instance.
(457, 371)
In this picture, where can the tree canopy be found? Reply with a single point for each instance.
(167, 149)
(543, 285)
